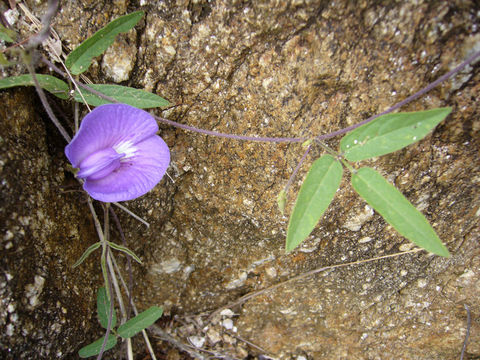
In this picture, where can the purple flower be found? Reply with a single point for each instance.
(117, 153)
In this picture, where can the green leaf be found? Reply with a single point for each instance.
(87, 252)
(140, 322)
(4, 61)
(79, 60)
(315, 195)
(6, 34)
(307, 143)
(126, 95)
(95, 347)
(50, 83)
(389, 202)
(282, 200)
(103, 309)
(125, 250)
(389, 133)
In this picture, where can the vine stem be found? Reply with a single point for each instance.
(129, 261)
(43, 99)
(337, 156)
(101, 236)
(469, 323)
(106, 257)
(131, 303)
(327, 149)
(110, 319)
(106, 262)
(103, 240)
(297, 168)
(409, 99)
(46, 22)
(132, 214)
(120, 300)
(43, 36)
(398, 105)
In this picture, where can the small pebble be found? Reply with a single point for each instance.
(227, 312)
(213, 336)
(197, 341)
(227, 324)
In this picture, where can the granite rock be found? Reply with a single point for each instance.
(45, 304)
(295, 69)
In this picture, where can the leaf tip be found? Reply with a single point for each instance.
(281, 201)
(443, 251)
(290, 243)
(307, 143)
(448, 109)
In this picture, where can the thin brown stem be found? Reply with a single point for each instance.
(467, 335)
(253, 294)
(167, 337)
(46, 22)
(409, 99)
(46, 105)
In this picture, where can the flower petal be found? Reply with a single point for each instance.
(107, 126)
(136, 175)
(100, 164)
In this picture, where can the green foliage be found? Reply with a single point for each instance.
(79, 60)
(95, 347)
(386, 134)
(7, 35)
(126, 330)
(307, 143)
(389, 133)
(95, 246)
(397, 210)
(86, 253)
(126, 95)
(282, 200)
(4, 61)
(125, 250)
(53, 85)
(140, 322)
(103, 309)
(315, 195)
(123, 94)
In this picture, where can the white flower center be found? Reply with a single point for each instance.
(125, 147)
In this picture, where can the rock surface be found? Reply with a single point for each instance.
(45, 305)
(278, 69)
